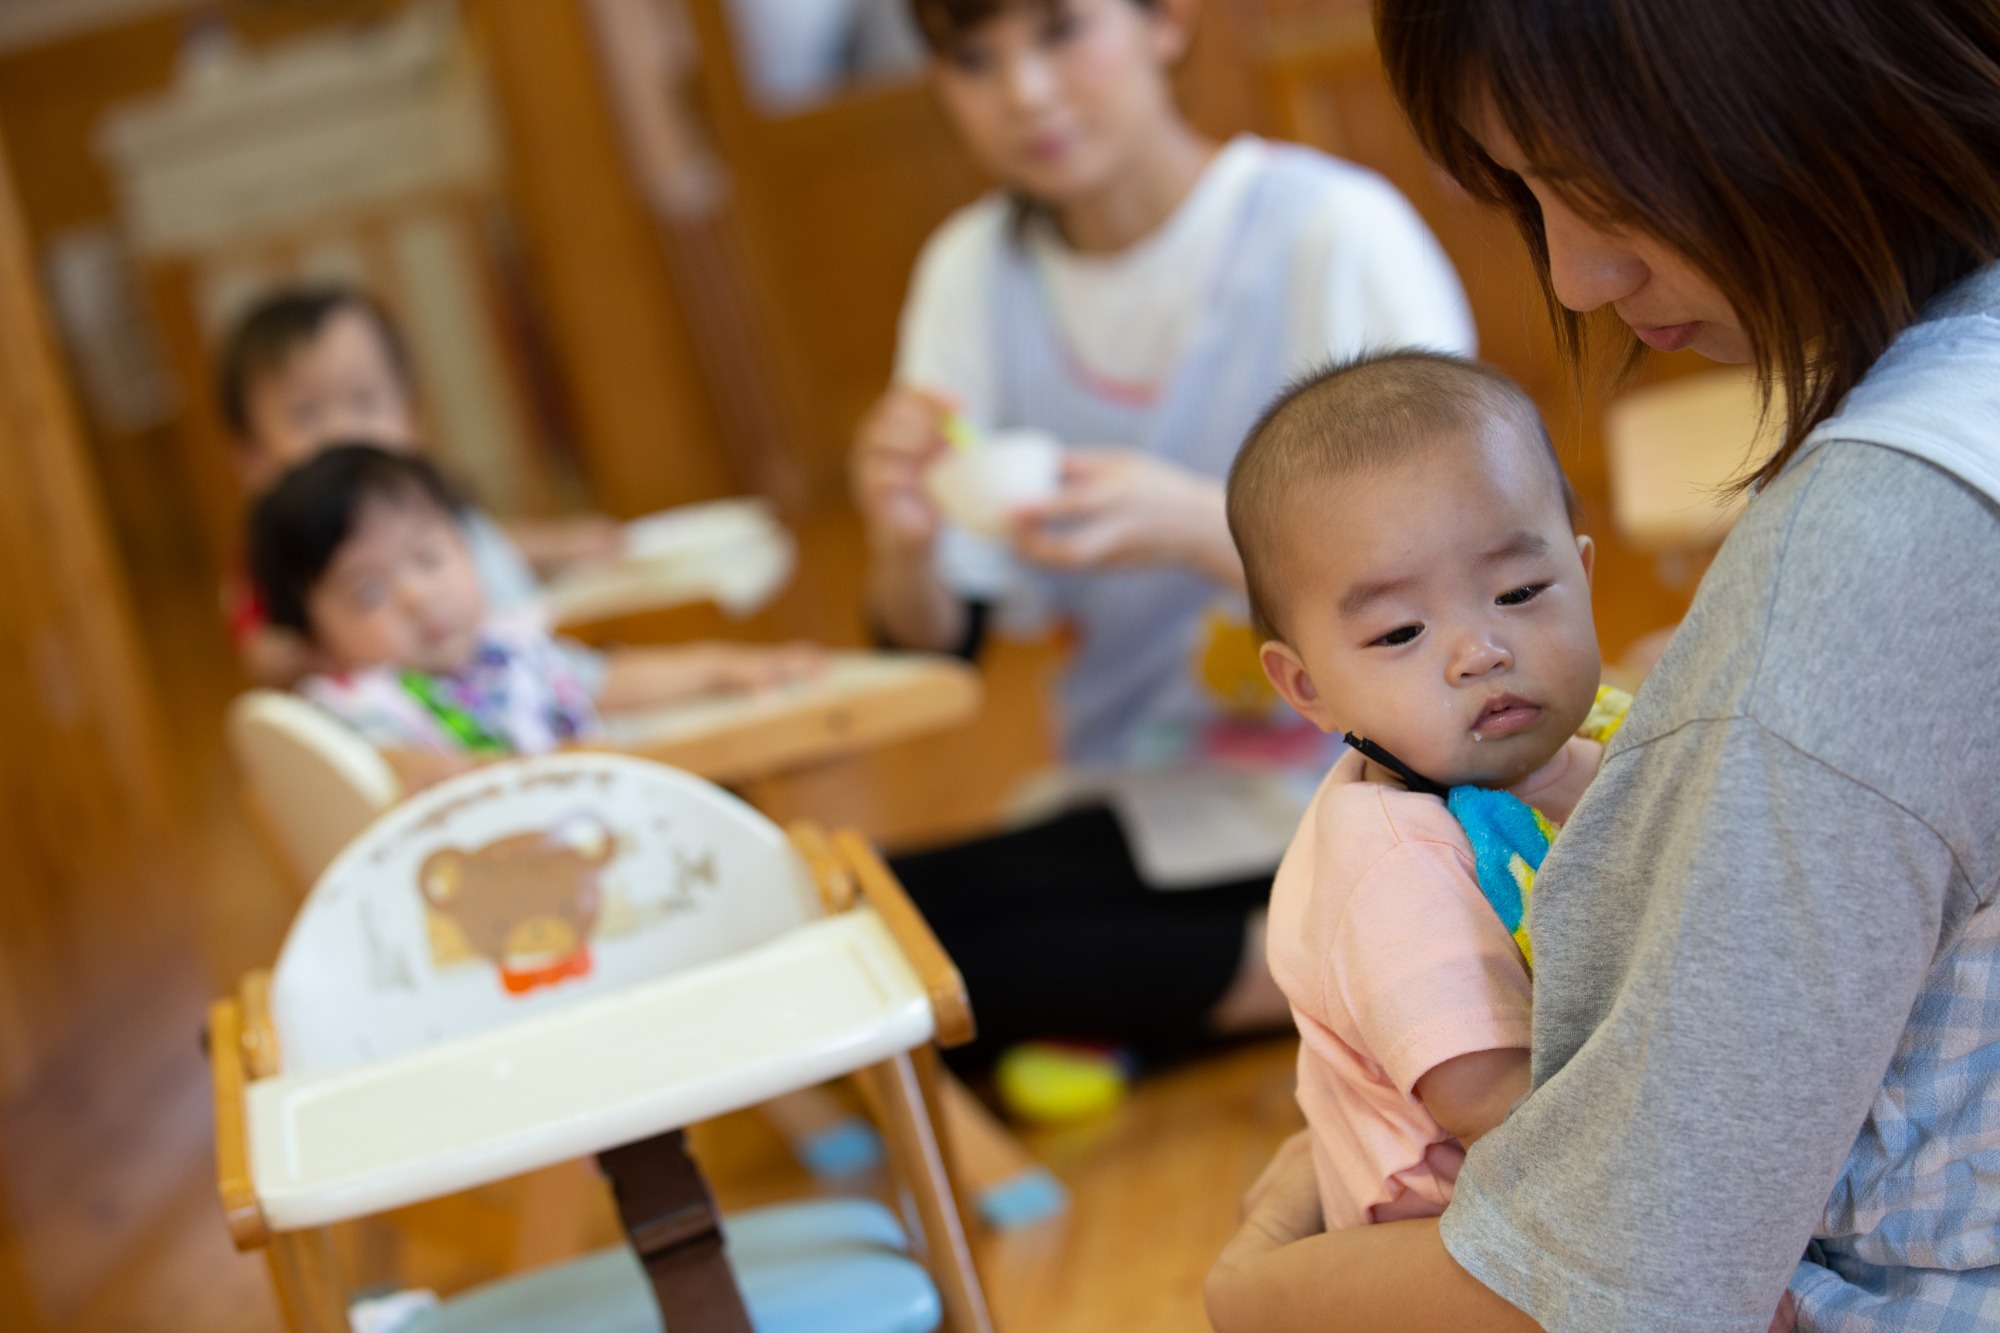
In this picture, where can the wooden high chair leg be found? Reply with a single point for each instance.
(306, 1272)
(670, 1218)
(903, 1089)
(555, 1214)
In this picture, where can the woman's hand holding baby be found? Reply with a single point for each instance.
(1121, 507)
(1282, 1204)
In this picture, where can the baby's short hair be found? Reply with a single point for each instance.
(1348, 417)
(300, 524)
(280, 324)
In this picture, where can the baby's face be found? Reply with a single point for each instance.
(1440, 607)
(340, 386)
(401, 592)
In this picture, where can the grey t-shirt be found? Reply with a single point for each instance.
(1786, 846)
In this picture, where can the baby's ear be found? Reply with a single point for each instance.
(1586, 551)
(1286, 671)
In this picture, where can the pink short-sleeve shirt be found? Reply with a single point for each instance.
(1394, 963)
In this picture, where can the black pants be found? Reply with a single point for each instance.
(1057, 936)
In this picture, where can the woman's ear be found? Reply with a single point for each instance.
(1288, 676)
(1586, 551)
(1173, 29)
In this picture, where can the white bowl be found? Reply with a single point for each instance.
(981, 488)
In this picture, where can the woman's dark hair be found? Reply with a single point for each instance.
(301, 523)
(1831, 165)
(943, 22)
(279, 325)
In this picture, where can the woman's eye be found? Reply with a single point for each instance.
(970, 59)
(1060, 28)
(1399, 636)
(1521, 595)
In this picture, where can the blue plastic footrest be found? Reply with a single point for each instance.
(831, 1266)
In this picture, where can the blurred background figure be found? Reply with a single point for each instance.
(797, 52)
(641, 254)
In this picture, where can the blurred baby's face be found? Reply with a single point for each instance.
(343, 385)
(401, 592)
(1440, 607)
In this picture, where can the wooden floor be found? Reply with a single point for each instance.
(107, 1215)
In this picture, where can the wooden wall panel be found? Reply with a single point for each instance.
(835, 203)
(645, 426)
(86, 856)
(623, 358)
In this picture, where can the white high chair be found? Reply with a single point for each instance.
(582, 954)
(311, 784)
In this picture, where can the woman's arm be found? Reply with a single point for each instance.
(1284, 1271)
(1393, 1276)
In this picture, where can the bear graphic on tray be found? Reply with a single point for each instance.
(530, 904)
(532, 884)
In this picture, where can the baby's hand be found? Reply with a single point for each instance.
(593, 537)
(554, 545)
(739, 667)
(1787, 1318)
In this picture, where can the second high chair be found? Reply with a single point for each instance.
(581, 955)
(312, 784)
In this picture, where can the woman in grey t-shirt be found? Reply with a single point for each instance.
(1767, 988)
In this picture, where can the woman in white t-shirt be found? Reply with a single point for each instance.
(1140, 292)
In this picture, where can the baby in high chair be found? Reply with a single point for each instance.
(1414, 568)
(361, 551)
(309, 366)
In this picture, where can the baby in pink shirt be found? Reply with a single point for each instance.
(1408, 537)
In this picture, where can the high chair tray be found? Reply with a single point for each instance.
(831, 997)
(861, 699)
(731, 552)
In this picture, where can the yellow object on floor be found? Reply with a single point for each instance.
(1053, 1082)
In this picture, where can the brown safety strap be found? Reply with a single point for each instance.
(670, 1218)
